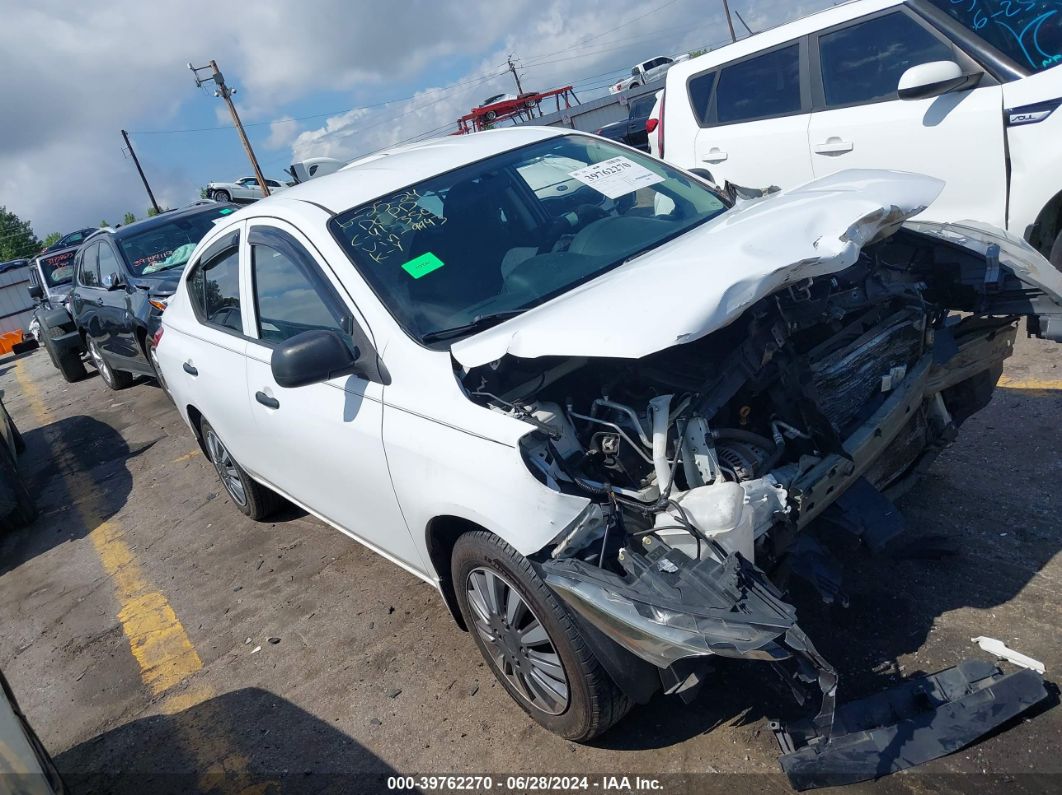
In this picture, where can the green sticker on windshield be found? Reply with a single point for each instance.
(423, 265)
(225, 211)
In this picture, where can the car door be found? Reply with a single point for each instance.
(319, 444)
(114, 310)
(753, 115)
(860, 122)
(87, 295)
(213, 348)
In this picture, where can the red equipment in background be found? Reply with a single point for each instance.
(484, 117)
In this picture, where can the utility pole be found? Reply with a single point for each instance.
(226, 93)
(516, 76)
(741, 19)
(129, 146)
(729, 21)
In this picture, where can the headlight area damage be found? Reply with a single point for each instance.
(715, 467)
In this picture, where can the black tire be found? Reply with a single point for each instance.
(490, 116)
(1056, 252)
(115, 379)
(25, 510)
(594, 703)
(250, 496)
(20, 443)
(222, 196)
(68, 364)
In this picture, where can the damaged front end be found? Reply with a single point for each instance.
(712, 467)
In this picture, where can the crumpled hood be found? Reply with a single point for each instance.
(707, 278)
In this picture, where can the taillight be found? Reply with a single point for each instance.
(660, 127)
(156, 338)
(651, 125)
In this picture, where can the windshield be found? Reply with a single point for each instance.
(495, 238)
(58, 268)
(168, 245)
(1029, 31)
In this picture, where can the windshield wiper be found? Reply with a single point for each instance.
(479, 323)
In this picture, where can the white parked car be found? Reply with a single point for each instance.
(597, 429)
(244, 189)
(646, 72)
(963, 91)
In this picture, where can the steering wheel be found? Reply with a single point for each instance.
(570, 223)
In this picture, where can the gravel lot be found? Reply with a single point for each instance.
(160, 641)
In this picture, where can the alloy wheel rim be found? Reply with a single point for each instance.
(226, 467)
(517, 642)
(101, 363)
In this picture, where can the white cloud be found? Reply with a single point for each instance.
(282, 132)
(75, 73)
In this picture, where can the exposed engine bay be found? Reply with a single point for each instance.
(707, 461)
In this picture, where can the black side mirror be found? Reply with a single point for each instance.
(35, 292)
(313, 357)
(112, 281)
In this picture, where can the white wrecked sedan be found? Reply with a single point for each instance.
(598, 407)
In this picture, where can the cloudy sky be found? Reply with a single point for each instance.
(317, 77)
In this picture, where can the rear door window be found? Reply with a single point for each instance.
(700, 91)
(761, 87)
(863, 63)
(89, 273)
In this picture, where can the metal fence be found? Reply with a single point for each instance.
(16, 307)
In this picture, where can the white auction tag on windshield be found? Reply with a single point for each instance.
(616, 177)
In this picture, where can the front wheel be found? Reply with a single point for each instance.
(222, 196)
(531, 642)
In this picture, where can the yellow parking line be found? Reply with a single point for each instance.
(156, 636)
(1031, 384)
(185, 457)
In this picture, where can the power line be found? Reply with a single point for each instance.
(322, 115)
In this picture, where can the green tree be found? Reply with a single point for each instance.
(128, 218)
(104, 223)
(52, 239)
(152, 212)
(16, 237)
(203, 193)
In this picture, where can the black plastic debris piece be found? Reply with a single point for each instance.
(868, 514)
(919, 720)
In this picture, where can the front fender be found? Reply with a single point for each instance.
(482, 481)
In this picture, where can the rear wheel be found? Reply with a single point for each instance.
(115, 379)
(531, 642)
(251, 497)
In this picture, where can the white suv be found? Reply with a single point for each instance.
(592, 403)
(963, 90)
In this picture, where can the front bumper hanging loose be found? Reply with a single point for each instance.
(670, 609)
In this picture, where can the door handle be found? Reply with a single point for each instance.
(834, 146)
(99, 302)
(265, 400)
(190, 368)
(715, 155)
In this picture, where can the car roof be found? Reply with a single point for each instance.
(385, 172)
(163, 218)
(826, 18)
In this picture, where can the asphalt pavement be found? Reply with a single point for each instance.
(160, 641)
